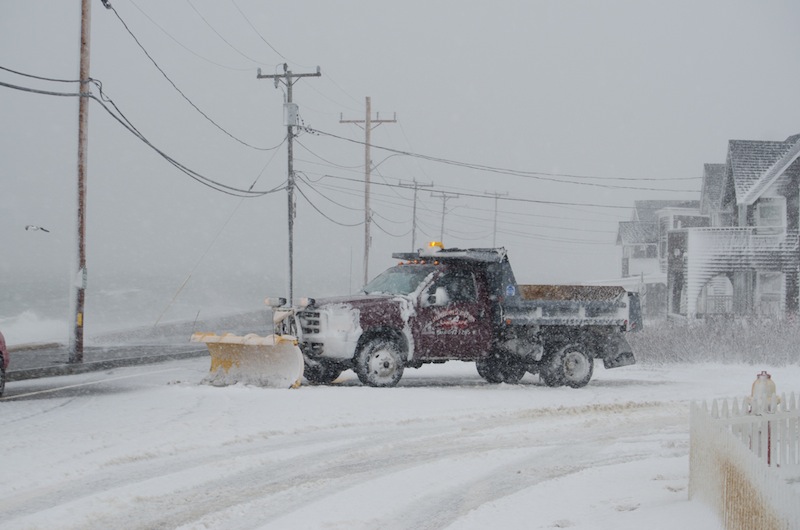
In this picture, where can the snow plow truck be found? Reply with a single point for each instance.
(441, 304)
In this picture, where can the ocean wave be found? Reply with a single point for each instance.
(29, 327)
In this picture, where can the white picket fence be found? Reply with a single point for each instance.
(745, 461)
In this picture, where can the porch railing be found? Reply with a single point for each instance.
(713, 251)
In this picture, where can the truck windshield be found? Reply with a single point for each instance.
(398, 280)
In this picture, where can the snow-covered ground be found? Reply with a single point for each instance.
(150, 447)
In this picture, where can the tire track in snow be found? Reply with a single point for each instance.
(330, 463)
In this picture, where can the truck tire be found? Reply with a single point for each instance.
(495, 369)
(2, 381)
(379, 363)
(321, 373)
(571, 365)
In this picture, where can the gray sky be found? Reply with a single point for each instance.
(614, 89)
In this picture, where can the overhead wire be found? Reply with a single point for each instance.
(182, 45)
(508, 199)
(538, 175)
(55, 80)
(423, 207)
(213, 242)
(218, 34)
(300, 191)
(185, 97)
(334, 164)
(302, 177)
(126, 123)
(271, 47)
(382, 229)
(282, 56)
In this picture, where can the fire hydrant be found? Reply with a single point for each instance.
(762, 394)
(763, 400)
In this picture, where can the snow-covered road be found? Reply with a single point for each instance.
(148, 447)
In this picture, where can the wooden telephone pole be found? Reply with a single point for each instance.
(369, 124)
(445, 197)
(76, 337)
(416, 187)
(496, 197)
(288, 78)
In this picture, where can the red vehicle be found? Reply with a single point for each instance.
(4, 360)
(454, 304)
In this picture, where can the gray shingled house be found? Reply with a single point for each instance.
(747, 261)
(644, 243)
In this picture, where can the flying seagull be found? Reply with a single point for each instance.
(34, 228)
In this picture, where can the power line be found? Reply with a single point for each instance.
(310, 185)
(179, 43)
(163, 73)
(218, 34)
(125, 122)
(331, 164)
(40, 77)
(511, 199)
(481, 220)
(382, 229)
(538, 175)
(271, 47)
(300, 191)
(351, 191)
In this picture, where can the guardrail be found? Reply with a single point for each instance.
(745, 461)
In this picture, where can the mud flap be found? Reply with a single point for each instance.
(618, 352)
(274, 361)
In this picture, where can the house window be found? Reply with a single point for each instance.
(771, 216)
(770, 293)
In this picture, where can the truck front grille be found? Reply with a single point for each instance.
(309, 322)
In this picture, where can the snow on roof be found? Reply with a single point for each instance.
(645, 211)
(753, 162)
(713, 187)
(775, 170)
(636, 233)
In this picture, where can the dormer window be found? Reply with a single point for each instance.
(770, 216)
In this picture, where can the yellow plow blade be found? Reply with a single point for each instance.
(274, 361)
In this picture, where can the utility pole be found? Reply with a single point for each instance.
(445, 197)
(76, 337)
(496, 196)
(288, 78)
(369, 124)
(416, 187)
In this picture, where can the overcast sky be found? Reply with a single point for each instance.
(637, 94)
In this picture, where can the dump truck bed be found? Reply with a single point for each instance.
(568, 305)
(579, 293)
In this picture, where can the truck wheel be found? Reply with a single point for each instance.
(572, 365)
(497, 370)
(379, 363)
(321, 373)
(2, 381)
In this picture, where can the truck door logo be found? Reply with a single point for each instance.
(450, 322)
